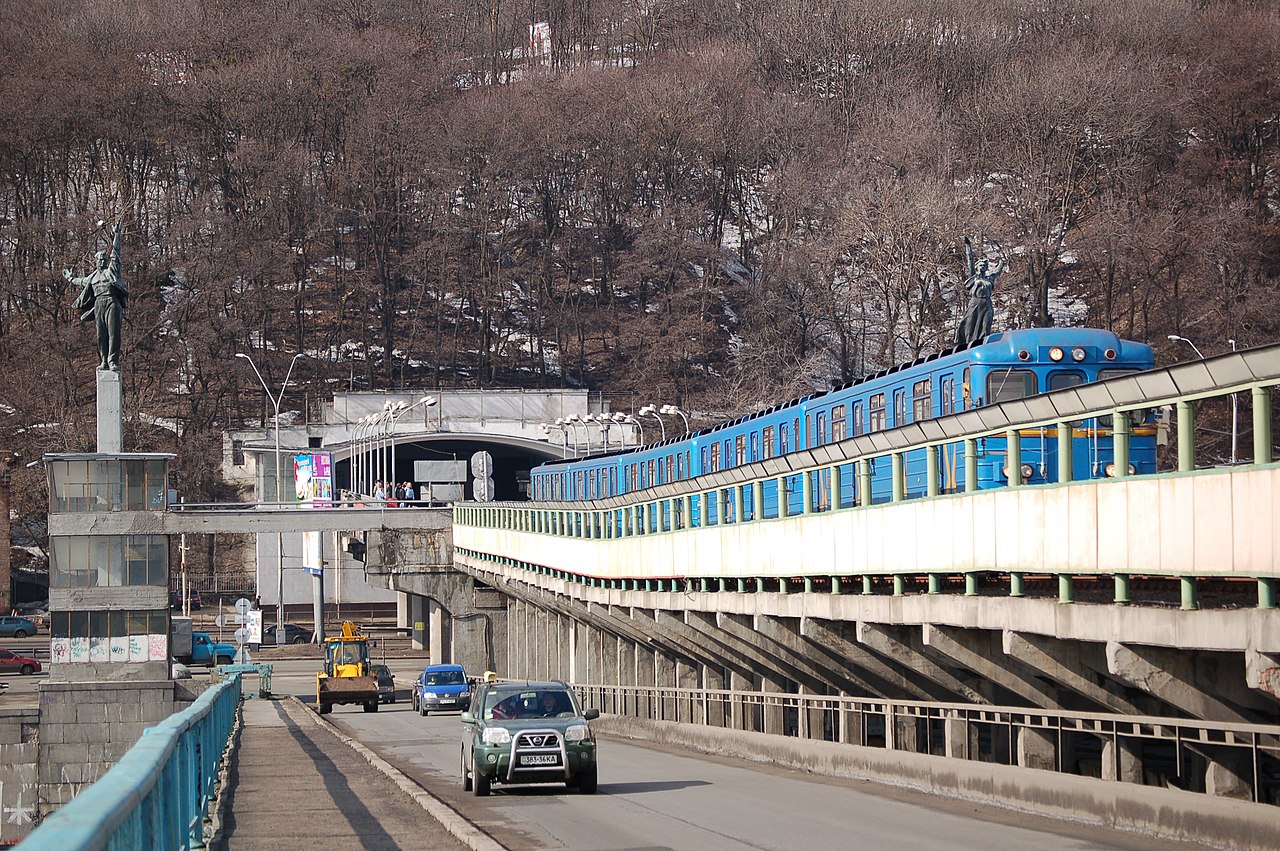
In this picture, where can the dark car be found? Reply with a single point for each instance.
(386, 683)
(12, 663)
(528, 733)
(193, 595)
(11, 627)
(293, 634)
(441, 687)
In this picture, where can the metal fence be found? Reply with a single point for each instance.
(1153, 751)
(158, 794)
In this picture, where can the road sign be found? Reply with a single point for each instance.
(243, 605)
(483, 489)
(242, 635)
(482, 465)
(220, 621)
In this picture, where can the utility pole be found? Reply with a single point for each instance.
(7, 462)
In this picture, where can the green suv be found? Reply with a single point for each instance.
(528, 733)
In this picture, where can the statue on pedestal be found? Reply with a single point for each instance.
(103, 300)
(980, 282)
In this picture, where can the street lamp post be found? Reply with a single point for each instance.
(275, 403)
(652, 410)
(1235, 411)
(400, 410)
(672, 409)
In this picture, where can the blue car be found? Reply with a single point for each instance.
(441, 687)
(11, 627)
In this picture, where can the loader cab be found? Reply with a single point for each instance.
(346, 657)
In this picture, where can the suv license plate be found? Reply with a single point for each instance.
(540, 759)
(446, 700)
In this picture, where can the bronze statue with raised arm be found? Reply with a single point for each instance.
(103, 300)
(980, 282)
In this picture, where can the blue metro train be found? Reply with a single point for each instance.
(1003, 367)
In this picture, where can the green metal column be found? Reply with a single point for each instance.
(1120, 442)
(740, 503)
(896, 472)
(1189, 598)
(684, 511)
(1122, 587)
(835, 585)
(835, 487)
(935, 583)
(970, 465)
(971, 584)
(866, 584)
(1065, 458)
(899, 585)
(1262, 425)
(757, 500)
(806, 488)
(1186, 437)
(931, 469)
(1066, 588)
(782, 497)
(864, 482)
(1015, 584)
(1266, 592)
(1013, 460)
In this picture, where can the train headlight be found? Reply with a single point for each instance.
(1026, 469)
(1078, 354)
(1023, 354)
(1111, 470)
(1055, 354)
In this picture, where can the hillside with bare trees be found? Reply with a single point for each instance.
(716, 204)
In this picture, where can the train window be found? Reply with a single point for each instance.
(613, 481)
(799, 435)
(966, 390)
(876, 422)
(922, 399)
(1104, 374)
(578, 486)
(820, 432)
(768, 441)
(671, 468)
(740, 449)
(635, 482)
(1008, 384)
(899, 407)
(715, 456)
(948, 396)
(784, 439)
(652, 479)
(706, 464)
(859, 425)
(1063, 380)
(755, 446)
(838, 424)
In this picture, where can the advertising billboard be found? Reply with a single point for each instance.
(313, 479)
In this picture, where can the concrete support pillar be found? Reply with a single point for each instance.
(1065, 458)
(970, 465)
(740, 718)
(714, 710)
(687, 678)
(774, 719)
(931, 470)
(901, 730)
(1229, 775)
(1013, 461)
(665, 674)
(1121, 760)
(418, 637)
(438, 633)
(1037, 748)
(1262, 425)
(956, 737)
(852, 728)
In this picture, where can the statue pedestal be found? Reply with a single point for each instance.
(110, 412)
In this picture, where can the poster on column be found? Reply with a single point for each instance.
(313, 552)
(313, 479)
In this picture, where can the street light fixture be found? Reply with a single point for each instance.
(275, 403)
(652, 410)
(673, 410)
(1176, 338)
(399, 411)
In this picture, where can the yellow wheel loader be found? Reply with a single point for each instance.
(346, 677)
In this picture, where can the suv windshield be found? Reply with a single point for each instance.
(542, 703)
(443, 678)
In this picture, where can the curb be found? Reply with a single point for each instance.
(453, 821)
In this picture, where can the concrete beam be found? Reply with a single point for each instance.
(747, 648)
(674, 631)
(814, 656)
(777, 643)
(1262, 672)
(1173, 677)
(829, 635)
(1060, 661)
(890, 642)
(973, 650)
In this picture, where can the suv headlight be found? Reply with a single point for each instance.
(429, 695)
(577, 733)
(497, 736)
(466, 692)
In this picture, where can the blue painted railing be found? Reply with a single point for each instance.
(158, 794)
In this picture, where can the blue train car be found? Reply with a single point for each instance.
(1004, 367)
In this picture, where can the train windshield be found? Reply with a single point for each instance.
(1009, 384)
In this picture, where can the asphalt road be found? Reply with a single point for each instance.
(652, 798)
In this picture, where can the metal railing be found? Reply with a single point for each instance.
(1143, 749)
(158, 794)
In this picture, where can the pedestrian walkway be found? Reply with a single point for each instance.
(293, 783)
